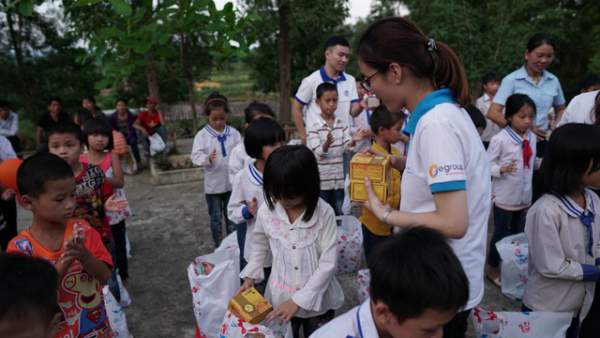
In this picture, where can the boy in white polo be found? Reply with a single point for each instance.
(305, 110)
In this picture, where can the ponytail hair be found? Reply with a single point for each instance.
(401, 41)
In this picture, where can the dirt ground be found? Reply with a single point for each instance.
(170, 228)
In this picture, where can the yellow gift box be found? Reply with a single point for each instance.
(250, 306)
(376, 168)
(358, 192)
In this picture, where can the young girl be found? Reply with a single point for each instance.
(211, 150)
(98, 139)
(512, 155)
(563, 228)
(239, 158)
(262, 137)
(299, 230)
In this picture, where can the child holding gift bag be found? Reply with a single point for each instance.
(98, 139)
(563, 227)
(212, 147)
(512, 154)
(299, 230)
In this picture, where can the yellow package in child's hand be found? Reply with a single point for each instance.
(376, 168)
(250, 306)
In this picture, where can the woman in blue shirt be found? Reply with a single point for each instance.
(533, 80)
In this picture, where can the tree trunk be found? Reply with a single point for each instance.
(285, 63)
(151, 78)
(15, 41)
(189, 77)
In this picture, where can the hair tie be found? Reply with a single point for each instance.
(431, 45)
(216, 99)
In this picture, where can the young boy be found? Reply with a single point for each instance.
(28, 304)
(83, 264)
(262, 137)
(329, 138)
(417, 285)
(66, 142)
(490, 83)
(387, 127)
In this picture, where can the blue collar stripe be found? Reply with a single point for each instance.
(513, 135)
(255, 174)
(326, 77)
(360, 331)
(431, 100)
(214, 133)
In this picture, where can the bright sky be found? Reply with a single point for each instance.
(358, 8)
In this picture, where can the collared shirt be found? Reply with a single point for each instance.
(367, 218)
(247, 185)
(483, 103)
(304, 259)
(511, 190)
(307, 94)
(446, 154)
(562, 275)
(238, 160)
(6, 150)
(546, 94)
(331, 163)
(356, 323)
(10, 126)
(581, 109)
(216, 175)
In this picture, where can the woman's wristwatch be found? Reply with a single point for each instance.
(386, 213)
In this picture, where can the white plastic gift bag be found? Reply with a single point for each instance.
(363, 279)
(116, 315)
(349, 244)
(233, 327)
(157, 144)
(125, 297)
(214, 279)
(490, 324)
(513, 251)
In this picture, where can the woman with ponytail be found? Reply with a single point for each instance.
(446, 183)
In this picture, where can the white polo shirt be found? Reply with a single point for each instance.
(307, 93)
(580, 109)
(446, 154)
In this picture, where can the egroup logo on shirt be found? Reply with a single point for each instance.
(445, 169)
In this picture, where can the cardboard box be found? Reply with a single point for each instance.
(358, 192)
(376, 168)
(250, 306)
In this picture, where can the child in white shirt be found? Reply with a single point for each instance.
(239, 158)
(417, 285)
(512, 155)
(212, 146)
(262, 137)
(329, 138)
(563, 230)
(299, 230)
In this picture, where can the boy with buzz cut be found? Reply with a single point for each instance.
(28, 304)
(387, 127)
(47, 189)
(417, 286)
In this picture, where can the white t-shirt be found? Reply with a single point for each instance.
(446, 154)
(580, 109)
(307, 93)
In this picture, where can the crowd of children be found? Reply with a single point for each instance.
(283, 199)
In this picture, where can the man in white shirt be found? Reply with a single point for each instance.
(304, 108)
(417, 286)
(490, 83)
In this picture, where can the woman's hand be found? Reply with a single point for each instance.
(373, 203)
(284, 312)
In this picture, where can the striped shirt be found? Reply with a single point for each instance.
(331, 163)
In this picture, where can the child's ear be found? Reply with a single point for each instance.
(25, 201)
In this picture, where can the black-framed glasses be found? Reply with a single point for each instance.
(366, 82)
